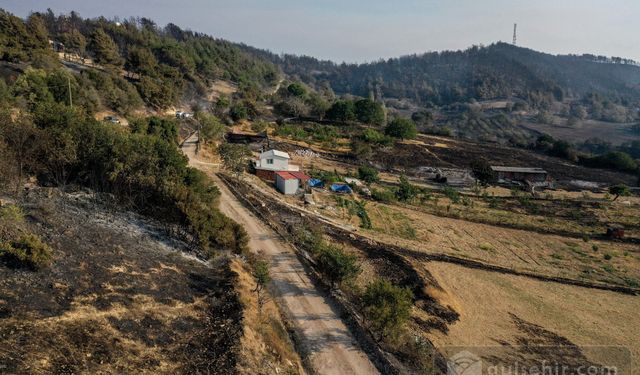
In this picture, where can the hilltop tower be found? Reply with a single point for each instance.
(515, 33)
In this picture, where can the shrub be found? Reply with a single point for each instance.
(608, 256)
(616, 160)
(406, 191)
(375, 137)
(259, 126)
(29, 252)
(383, 195)
(452, 194)
(368, 174)
(386, 307)
(238, 112)
(356, 208)
(262, 277)
(337, 265)
(618, 191)
(11, 213)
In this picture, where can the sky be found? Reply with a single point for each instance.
(367, 30)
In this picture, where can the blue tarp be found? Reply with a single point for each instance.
(314, 182)
(341, 188)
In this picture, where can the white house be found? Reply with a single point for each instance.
(272, 161)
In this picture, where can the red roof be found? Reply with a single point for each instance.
(292, 175)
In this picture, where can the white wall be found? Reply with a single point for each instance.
(288, 187)
(279, 164)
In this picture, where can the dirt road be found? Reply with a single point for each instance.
(331, 348)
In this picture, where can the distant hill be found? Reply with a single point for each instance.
(498, 71)
(161, 63)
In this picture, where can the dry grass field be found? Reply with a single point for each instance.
(551, 255)
(499, 310)
(616, 133)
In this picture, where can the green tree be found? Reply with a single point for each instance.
(211, 129)
(361, 150)
(369, 112)
(406, 191)
(401, 128)
(342, 110)
(235, 157)
(166, 129)
(318, 105)
(104, 48)
(373, 136)
(262, 277)
(74, 41)
(336, 264)
(297, 89)
(141, 61)
(619, 191)
(424, 118)
(37, 30)
(482, 171)
(368, 174)
(238, 112)
(386, 308)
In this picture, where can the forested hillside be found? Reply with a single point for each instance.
(497, 71)
(160, 63)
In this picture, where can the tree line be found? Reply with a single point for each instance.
(41, 135)
(166, 61)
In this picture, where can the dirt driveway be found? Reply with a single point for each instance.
(330, 346)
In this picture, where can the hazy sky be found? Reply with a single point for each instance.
(365, 30)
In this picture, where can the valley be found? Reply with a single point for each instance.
(176, 203)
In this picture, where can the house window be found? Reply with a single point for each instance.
(269, 161)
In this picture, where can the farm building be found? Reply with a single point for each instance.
(289, 183)
(273, 161)
(528, 176)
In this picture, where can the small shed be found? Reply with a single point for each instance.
(289, 183)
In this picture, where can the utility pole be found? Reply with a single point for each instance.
(515, 35)
(70, 98)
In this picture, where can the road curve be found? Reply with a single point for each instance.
(330, 346)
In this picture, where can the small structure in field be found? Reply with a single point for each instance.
(341, 188)
(289, 183)
(316, 183)
(533, 177)
(451, 176)
(56, 46)
(615, 232)
(245, 139)
(353, 181)
(271, 162)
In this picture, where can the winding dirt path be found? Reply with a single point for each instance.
(330, 346)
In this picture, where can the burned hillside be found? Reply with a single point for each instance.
(119, 297)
